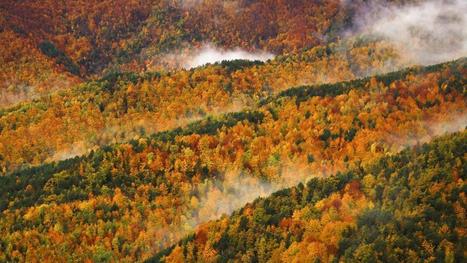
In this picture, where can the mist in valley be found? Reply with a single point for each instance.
(426, 32)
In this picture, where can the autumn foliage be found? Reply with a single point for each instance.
(329, 152)
(129, 200)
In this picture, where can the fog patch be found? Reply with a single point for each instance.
(136, 128)
(209, 55)
(427, 130)
(193, 57)
(13, 94)
(428, 32)
(237, 188)
(76, 149)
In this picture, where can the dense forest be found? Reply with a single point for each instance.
(120, 106)
(91, 34)
(128, 200)
(408, 207)
(48, 45)
(233, 131)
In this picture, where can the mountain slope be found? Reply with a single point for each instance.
(87, 39)
(25, 72)
(96, 33)
(302, 141)
(407, 207)
(127, 201)
(120, 106)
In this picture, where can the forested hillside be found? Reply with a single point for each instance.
(120, 106)
(127, 201)
(25, 72)
(409, 207)
(233, 130)
(52, 44)
(94, 33)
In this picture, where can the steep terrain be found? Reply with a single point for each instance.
(25, 72)
(409, 207)
(233, 130)
(87, 39)
(128, 201)
(120, 106)
(95, 33)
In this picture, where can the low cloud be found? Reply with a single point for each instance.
(190, 3)
(192, 57)
(237, 189)
(425, 131)
(209, 54)
(15, 94)
(428, 32)
(217, 198)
